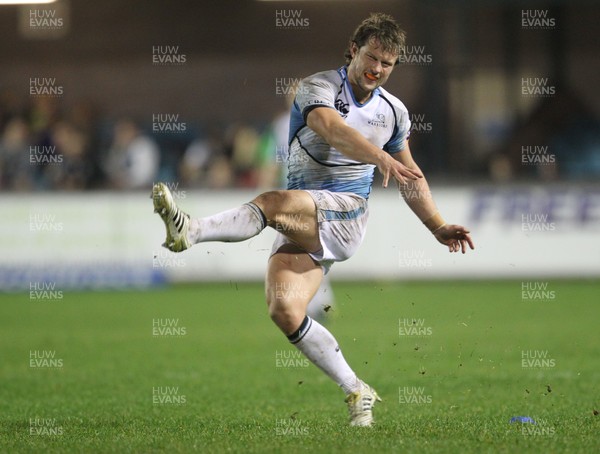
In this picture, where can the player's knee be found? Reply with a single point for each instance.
(285, 315)
(279, 310)
(271, 202)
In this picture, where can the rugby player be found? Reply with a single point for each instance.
(343, 126)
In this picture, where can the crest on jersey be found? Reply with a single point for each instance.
(378, 120)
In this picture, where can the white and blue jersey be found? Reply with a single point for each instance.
(312, 162)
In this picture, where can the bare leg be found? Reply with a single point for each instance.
(293, 277)
(292, 280)
(294, 214)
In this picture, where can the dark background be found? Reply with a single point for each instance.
(470, 93)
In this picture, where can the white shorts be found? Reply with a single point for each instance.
(342, 218)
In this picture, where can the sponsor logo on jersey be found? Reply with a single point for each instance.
(342, 107)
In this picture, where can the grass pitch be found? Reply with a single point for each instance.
(202, 369)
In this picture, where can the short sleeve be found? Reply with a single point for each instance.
(314, 92)
(401, 133)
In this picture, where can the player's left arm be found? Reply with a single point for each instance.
(418, 197)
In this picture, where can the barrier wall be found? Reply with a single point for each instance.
(113, 239)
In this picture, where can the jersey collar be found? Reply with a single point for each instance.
(344, 75)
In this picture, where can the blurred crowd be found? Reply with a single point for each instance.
(45, 145)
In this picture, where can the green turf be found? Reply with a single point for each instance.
(466, 370)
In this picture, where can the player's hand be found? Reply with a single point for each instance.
(389, 167)
(456, 237)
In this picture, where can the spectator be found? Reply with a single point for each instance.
(15, 168)
(204, 163)
(71, 145)
(133, 158)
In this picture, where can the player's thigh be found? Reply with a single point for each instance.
(294, 214)
(293, 278)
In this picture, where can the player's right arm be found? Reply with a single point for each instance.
(327, 123)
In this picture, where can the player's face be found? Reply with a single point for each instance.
(370, 68)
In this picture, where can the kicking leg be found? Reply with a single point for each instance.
(292, 277)
(294, 214)
(291, 212)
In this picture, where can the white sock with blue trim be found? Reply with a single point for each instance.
(234, 225)
(321, 348)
